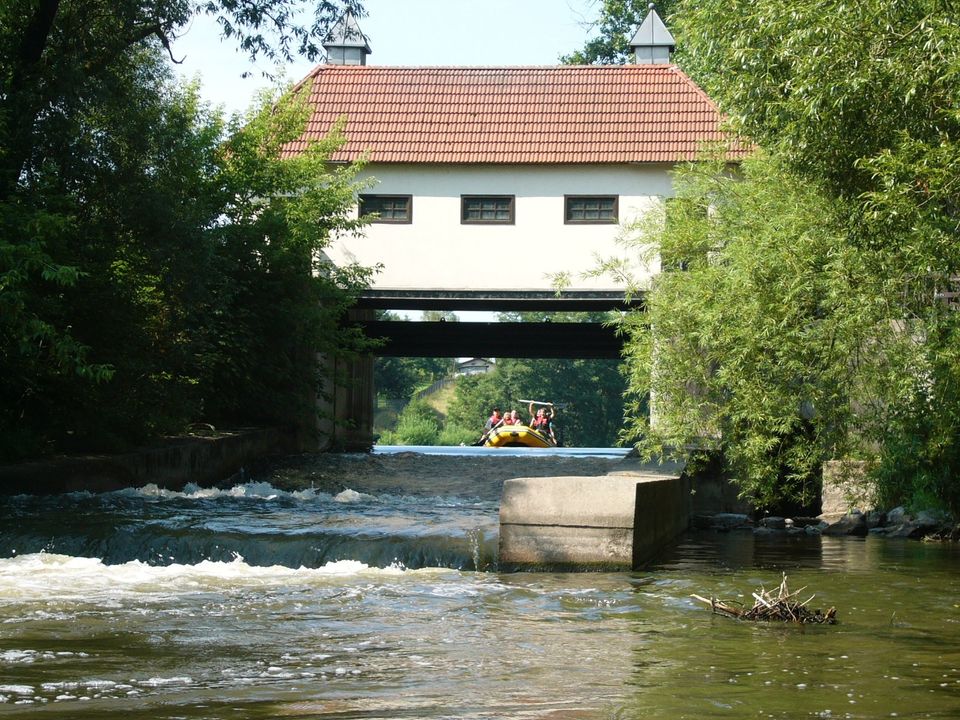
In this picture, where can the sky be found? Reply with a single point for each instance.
(407, 32)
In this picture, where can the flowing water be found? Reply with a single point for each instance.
(253, 602)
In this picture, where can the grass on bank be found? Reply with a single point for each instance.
(423, 421)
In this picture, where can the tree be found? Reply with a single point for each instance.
(589, 393)
(286, 301)
(617, 22)
(55, 50)
(439, 316)
(836, 91)
(417, 424)
(745, 348)
(150, 273)
(398, 378)
(863, 100)
(829, 258)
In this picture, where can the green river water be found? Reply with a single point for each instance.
(259, 603)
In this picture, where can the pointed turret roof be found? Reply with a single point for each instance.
(652, 33)
(346, 33)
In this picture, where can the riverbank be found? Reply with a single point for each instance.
(897, 523)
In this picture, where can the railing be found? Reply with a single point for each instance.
(438, 385)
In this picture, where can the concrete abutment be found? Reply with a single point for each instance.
(613, 522)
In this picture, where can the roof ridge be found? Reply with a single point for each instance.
(492, 68)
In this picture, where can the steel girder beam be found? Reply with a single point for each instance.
(516, 340)
(498, 300)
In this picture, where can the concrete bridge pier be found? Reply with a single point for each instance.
(613, 522)
(353, 404)
(345, 404)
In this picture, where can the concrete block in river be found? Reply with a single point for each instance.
(606, 522)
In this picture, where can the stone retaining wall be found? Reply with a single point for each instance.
(170, 465)
(845, 488)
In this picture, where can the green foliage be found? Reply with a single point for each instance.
(745, 349)
(590, 391)
(617, 22)
(831, 86)
(155, 264)
(439, 316)
(476, 396)
(399, 378)
(455, 435)
(418, 424)
(57, 55)
(281, 214)
(807, 324)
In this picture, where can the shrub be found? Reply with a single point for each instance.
(418, 424)
(456, 435)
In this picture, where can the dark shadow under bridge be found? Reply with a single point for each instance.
(354, 398)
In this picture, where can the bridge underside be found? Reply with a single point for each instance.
(494, 340)
(491, 339)
(498, 300)
(354, 400)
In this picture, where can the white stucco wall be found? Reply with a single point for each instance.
(436, 251)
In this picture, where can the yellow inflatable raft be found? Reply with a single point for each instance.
(517, 436)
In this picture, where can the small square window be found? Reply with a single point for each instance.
(487, 209)
(591, 209)
(387, 208)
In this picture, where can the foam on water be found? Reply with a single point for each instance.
(192, 491)
(352, 496)
(28, 657)
(33, 577)
(266, 491)
(84, 689)
(256, 521)
(251, 490)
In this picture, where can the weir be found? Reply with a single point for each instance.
(613, 522)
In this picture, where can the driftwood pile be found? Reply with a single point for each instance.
(782, 607)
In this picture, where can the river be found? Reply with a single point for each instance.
(257, 602)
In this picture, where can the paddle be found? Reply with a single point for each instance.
(486, 433)
(558, 406)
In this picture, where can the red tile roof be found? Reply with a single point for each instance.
(518, 115)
